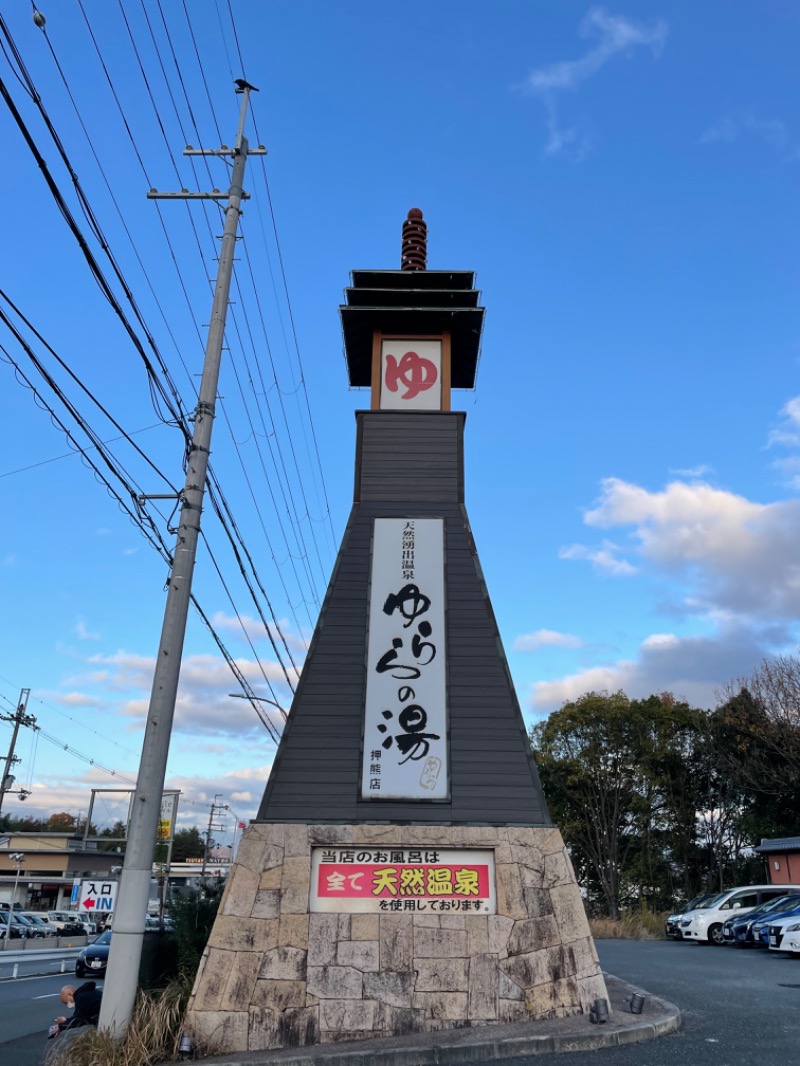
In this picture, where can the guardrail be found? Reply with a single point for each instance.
(11, 960)
(42, 943)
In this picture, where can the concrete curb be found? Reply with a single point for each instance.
(451, 1047)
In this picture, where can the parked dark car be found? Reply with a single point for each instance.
(94, 957)
(672, 927)
(763, 929)
(19, 930)
(739, 929)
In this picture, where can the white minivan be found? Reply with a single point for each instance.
(704, 923)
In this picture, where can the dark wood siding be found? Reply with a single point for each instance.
(407, 465)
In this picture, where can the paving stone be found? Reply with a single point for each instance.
(442, 975)
(427, 921)
(558, 870)
(547, 966)
(364, 926)
(446, 1006)
(475, 836)
(218, 1031)
(537, 901)
(499, 931)
(508, 989)
(278, 995)
(322, 939)
(353, 1015)
(531, 934)
(362, 954)
(295, 841)
(243, 934)
(212, 977)
(335, 982)
(397, 943)
(399, 1021)
(240, 892)
(262, 1027)
(510, 900)
(393, 989)
(271, 878)
(482, 988)
(477, 934)
(453, 921)
(512, 1010)
(522, 835)
(266, 903)
(440, 943)
(570, 913)
(293, 1028)
(293, 931)
(284, 964)
(242, 977)
(553, 999)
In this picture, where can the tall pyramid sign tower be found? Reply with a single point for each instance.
(403, 874)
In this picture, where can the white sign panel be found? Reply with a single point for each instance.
(405, 716)
(411, 375)
(353, 880)
(97, 897)
(166, 819)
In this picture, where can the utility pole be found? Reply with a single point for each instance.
(211, 827)
(20, 717)
(134, 883)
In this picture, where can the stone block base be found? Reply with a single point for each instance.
(275, 976)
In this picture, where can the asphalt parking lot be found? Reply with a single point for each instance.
(739, 1007)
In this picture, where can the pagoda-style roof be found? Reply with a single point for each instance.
(413, 303)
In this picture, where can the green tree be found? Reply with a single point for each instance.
(193, 913)
(188, 844)
(619, 777)
(112, 838)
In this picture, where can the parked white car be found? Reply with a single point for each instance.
(704, 924)
(784, 935)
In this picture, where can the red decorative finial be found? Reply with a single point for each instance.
(414, 254)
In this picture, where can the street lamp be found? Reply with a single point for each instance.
(18, 858)
(261, 699)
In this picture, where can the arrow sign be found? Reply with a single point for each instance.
(97, 896)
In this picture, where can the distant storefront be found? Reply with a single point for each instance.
(783, 859)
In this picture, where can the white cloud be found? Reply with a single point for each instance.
(247, 627)
(693, 473)
(78, 699)
(604, 558)
(771, 131)
(83, 632)
(241, 789)
(546, 638)
(692, 668)
(732, 554)
(615, 35)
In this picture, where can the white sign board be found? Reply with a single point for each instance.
(411, 375)
(97, 897)
(166, 819)
(399, 879)
(405, 715)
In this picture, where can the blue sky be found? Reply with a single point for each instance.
(623, 178)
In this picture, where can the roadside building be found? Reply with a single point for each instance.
(783, 859)
(51, 864)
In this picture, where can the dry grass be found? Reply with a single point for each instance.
(638, 926)
(152, 1036)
